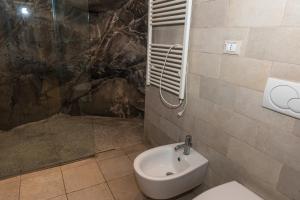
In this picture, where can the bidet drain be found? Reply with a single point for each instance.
(169, 173)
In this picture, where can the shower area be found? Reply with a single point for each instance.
(72, 80)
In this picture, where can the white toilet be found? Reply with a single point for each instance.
(228, 191)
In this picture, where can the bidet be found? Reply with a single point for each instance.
(163, 173)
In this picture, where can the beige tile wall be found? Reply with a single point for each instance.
(242, 141)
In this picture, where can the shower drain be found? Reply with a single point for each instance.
(169, 173)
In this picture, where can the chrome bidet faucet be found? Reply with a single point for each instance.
(186, 146)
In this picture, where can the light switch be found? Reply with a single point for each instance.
(232, 47)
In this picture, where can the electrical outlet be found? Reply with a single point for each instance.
(232, 47)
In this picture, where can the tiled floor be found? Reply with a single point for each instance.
(108, 176)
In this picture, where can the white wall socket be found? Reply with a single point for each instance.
(232, 47)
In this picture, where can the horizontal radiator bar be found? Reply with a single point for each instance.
(166, 46)
(167, 85)
(168, 18)
(175, 22)
(170, 13)
(165, 50)
(165, 54)
(170, 8)
(169, 69)
(174, 65)
(166, 71)
(172, 78)
(176, 92)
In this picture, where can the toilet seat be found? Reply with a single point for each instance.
(228, 191)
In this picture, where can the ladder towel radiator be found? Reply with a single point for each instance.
(167, 63)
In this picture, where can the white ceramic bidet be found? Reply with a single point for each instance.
(163, 173)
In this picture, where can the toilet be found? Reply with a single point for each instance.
(229, 191)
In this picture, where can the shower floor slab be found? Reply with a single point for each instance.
(62, 139)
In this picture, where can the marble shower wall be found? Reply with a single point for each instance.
(77, 57)
(118, 36)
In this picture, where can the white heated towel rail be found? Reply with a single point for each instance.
(169, 13)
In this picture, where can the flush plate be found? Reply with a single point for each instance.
(283, 96)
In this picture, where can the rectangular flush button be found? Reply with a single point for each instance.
(232, 47)
(283, 96)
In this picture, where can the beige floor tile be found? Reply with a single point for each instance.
(116, 167)
(132, 156)
(10, 180)
(117, 133)
(42, 185)
(140, 196)
(187, 196)
(40, 173)
(63, 197)
(98, 192)
(136, 148)
(78, 163)
(81, 177)
(9, 189)
(133, 151)
(109, 154)
(125, 188)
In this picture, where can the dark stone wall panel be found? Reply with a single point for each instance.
(79, 57)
